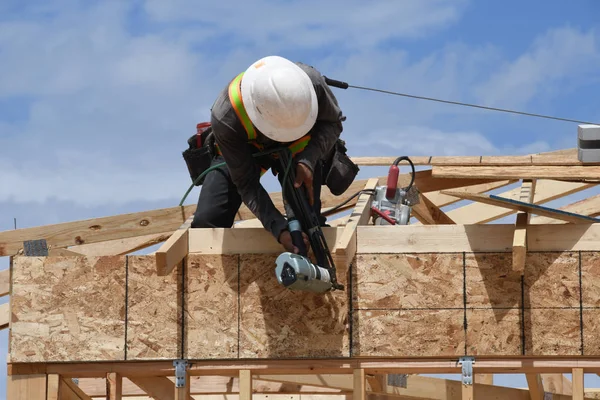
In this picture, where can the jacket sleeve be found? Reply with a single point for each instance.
(328, 127)
(245, 174)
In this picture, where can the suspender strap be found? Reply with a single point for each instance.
(235, 96)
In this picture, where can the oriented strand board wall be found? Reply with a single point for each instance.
(407, 305)
(398, 305)
(68, 308)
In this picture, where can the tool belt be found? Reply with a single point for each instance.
(339, 171)
(200, 153)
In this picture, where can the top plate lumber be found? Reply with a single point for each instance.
(566, 157)
(522, 206)
(573, 173)
(97, 229)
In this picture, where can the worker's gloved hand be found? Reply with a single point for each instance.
(285, 238)
(305, 176)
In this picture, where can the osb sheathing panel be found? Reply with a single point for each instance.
(68, 309)
(399, 281)
(277, 323)
(590, 279)
(494, 332)
(211, 306)
(552, 280)
(491, 281)
(555, 332)
(591, 332)
(154, 311)
(408, 333)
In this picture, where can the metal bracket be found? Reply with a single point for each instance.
(467, 369)
(180, 371)
(37, 248)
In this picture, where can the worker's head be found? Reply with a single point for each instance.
(279, 98)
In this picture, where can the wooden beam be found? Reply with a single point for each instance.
(62, 252)
(536, 389)
(469, 238)
(442, 200)
(97, 229)
(521, 206)
(118, 247)
(345, 245)
(68, 385)
(360, 389)
(158, 387)
(4, 282)
(245, 377)
(545, 191)
(486, 379)
(522, 220)
(578, 384)
(4, 316)
(26, 387)
(428, 213)
(557, 384)
(114, 386)
(245, 240)
(566, 157)
(174, 250)
(53, 387)
(573, 173)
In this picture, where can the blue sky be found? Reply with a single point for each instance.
(97, 99)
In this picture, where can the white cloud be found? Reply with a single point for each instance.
(419, 140)
(561, 56)
(312, 23)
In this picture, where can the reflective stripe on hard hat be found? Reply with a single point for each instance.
(235, 96)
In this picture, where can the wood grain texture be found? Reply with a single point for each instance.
(98, 229)
(552, 332)
(494, 332)
(491, 281)
(590, 279)
(408, 333)
(552, 280)
(68, 309)
(211, 306)
(277, 323)
(396, 281)
(154, 311)
(573, 173)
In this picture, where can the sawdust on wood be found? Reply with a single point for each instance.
(408, 333)
(68, 309)
(491, 282)
(211, 307)
(277, 322)
(395, 281)
(552, 332)
(552, 280)
(154, 311)
(494, 332)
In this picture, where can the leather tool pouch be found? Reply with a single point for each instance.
(199, 155)
(339, 170)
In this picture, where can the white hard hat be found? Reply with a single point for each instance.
(279, 98)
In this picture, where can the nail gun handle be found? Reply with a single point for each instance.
(298, 241)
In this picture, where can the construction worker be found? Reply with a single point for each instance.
(274, 102)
